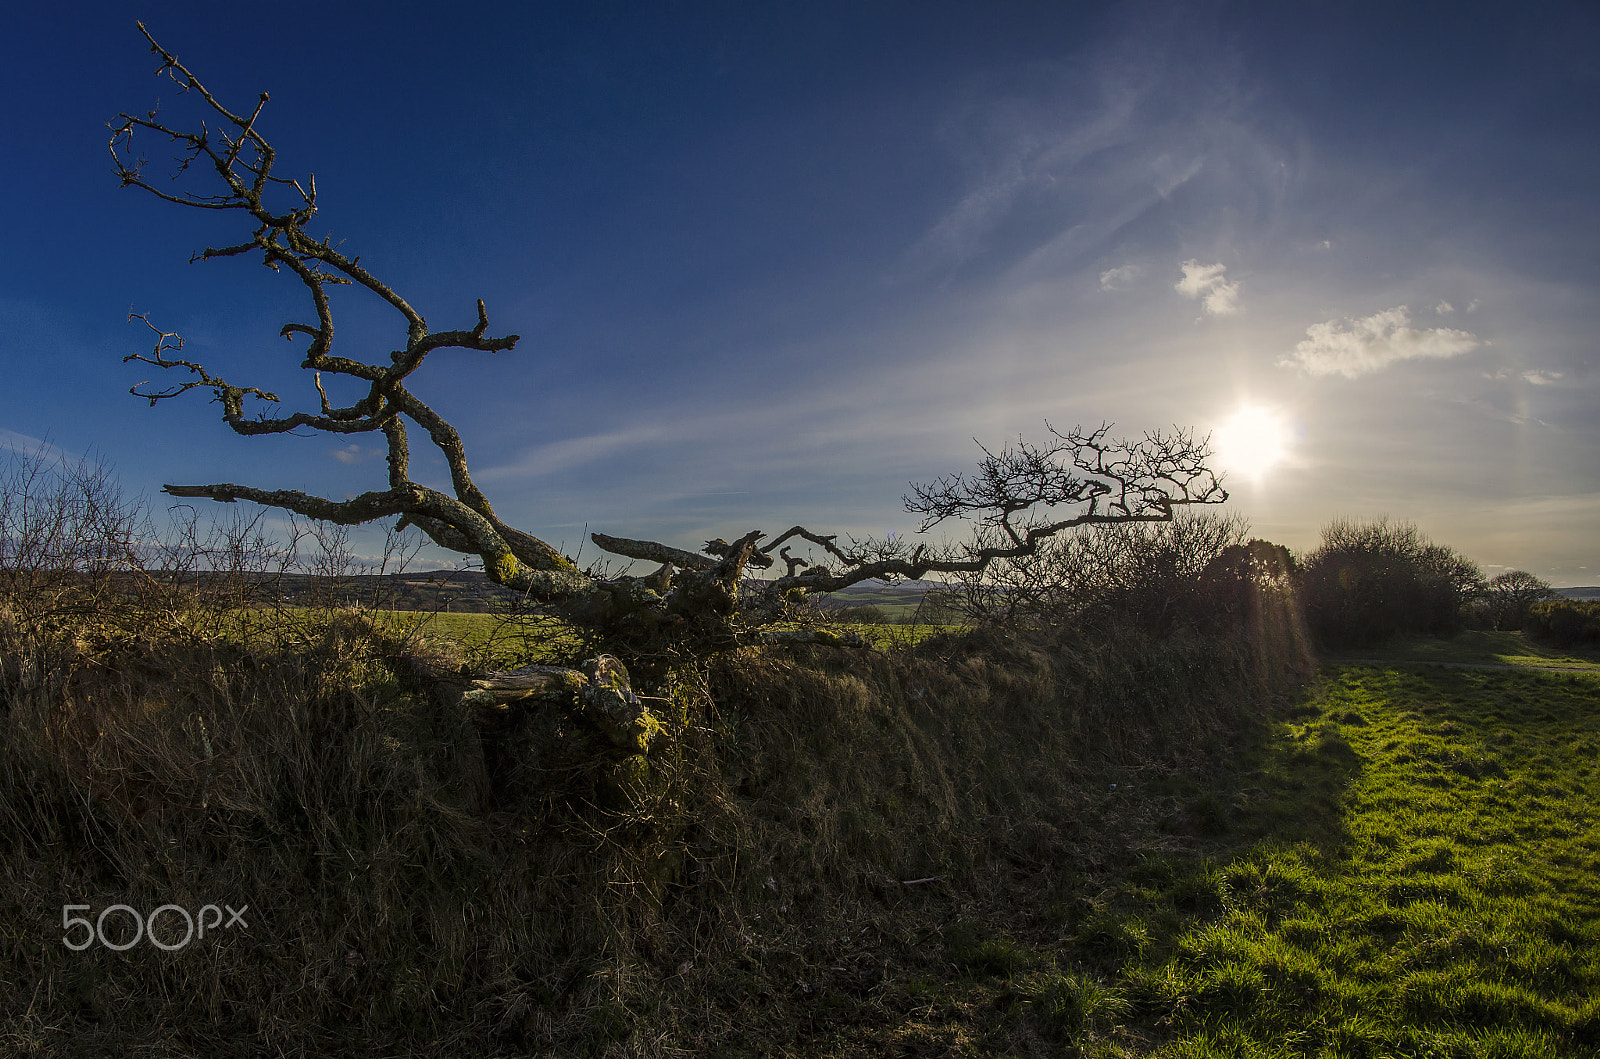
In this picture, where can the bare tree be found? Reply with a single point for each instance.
(694, 602)
(1150, 571)
(1508, 596)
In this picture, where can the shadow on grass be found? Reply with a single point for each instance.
(1064, 957)
(1406, 881)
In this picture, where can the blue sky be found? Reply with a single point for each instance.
(773, 262)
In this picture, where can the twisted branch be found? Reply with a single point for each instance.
(695, 598)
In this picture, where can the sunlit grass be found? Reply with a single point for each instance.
(1483, 647)
(1411, 866)
(489, 640)
(502, 641)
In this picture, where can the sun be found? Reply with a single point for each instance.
(1252, 441)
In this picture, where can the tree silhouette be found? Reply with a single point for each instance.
(693, 603)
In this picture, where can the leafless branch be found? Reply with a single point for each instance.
(1019, 497)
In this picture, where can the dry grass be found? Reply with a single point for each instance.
(818, 860)
(428, 882)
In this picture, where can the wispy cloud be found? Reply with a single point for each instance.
(572, 452)
(1119, 278)
(1353, 348)
(29, 446)
(351, 453)
(1533, 376)
(1084, 141)
(1218, 296)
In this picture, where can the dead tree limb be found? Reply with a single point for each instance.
(694, 603)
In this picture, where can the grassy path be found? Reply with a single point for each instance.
(1591, 670)
(1480, 647)
(1414, 870)
(1408, 865)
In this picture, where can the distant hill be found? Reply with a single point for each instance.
(898, 601)
(470, 592)
(455, 591)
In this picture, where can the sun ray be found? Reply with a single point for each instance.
(1252, 441)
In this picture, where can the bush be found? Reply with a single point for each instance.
(1565, 621)
(1149, 574)
(1372, 581)
(68, 540)
(1234, 586)
(1507, 598)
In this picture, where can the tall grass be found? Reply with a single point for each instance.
(426, 879)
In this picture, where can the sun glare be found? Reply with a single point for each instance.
(1251, 442)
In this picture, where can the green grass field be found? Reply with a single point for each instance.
(1481, 647)
(1445, 902)
(494, 641)
(486, 641)
(1408, 865)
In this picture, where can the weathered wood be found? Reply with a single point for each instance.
(601, 690)
(529, 682)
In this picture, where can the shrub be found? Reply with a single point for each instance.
(68, 540)
(1146, 573)
(1565, 621)
(1507, 598)
(1371, 581)
(1233, 586)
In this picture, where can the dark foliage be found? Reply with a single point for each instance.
(1195, 571)
(1371, 581)
(1565, 621)
(1234, 586)
(865, 614)
(1507, 598)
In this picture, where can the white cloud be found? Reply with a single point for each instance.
(1533, 376)
(1472, 306)
(1444, 307)
(1353, 348)
(351, 453)
(1218, 296)
(1119, 278)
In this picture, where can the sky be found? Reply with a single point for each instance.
(772, 263)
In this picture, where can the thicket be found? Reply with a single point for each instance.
(1508, 598)
(1565, 621)
(1372, 581)
(428, 877)
(1190, 572)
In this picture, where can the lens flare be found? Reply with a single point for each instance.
(1252, 441)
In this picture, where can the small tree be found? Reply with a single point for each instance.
(1508, 597)
(1149, 573)
(693, 603)
(1370, 581)
(69, 540)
